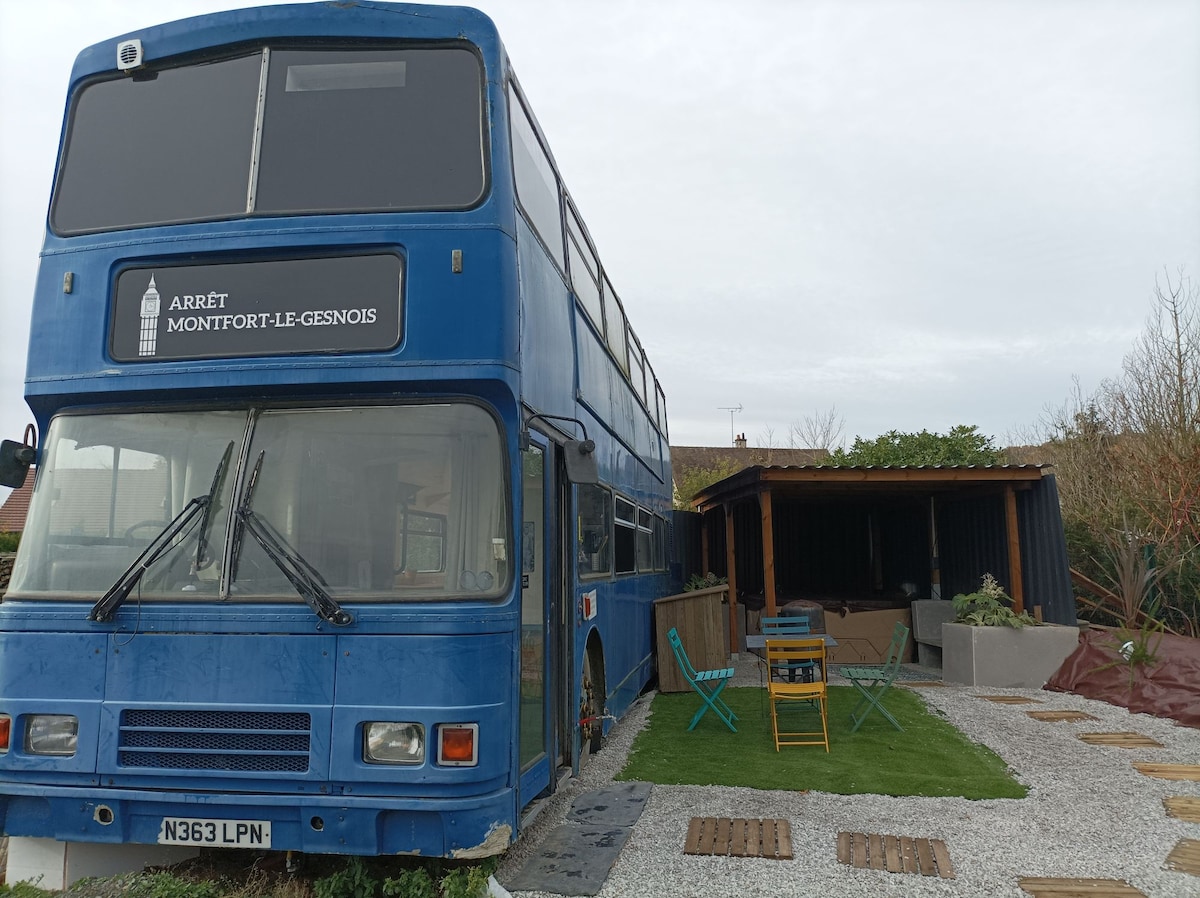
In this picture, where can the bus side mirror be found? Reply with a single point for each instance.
(15, 459)
(579, 456)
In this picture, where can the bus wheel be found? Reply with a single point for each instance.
(591, 703)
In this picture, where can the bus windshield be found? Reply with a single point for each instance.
(341, 130)
(381, 503)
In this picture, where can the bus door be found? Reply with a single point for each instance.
(542, 683)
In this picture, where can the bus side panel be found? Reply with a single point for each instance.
(52, 673)
(429, 680)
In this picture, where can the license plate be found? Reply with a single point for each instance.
(220, 833)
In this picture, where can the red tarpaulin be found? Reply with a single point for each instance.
(1167, 687)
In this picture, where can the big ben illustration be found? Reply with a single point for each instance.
(148, 341)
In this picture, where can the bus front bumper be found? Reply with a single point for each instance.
(469, 827)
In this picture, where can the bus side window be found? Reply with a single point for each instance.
(595, 525)
(625, 536)
(537, 184)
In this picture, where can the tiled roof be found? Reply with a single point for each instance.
(16, 506)
(712, 456)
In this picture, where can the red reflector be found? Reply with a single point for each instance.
(5, 729)
(458, 744)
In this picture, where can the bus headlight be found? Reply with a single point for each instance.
(52, 734)
(393, 743)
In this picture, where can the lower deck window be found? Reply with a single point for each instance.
(625, 537)
(379, 503)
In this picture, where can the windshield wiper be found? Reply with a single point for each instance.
(202, 541)
(307, 581)
(103, 610)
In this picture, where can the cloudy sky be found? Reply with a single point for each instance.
(920, 213)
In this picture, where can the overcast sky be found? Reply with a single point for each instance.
(921, 213)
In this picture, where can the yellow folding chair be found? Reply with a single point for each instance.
(798, 697)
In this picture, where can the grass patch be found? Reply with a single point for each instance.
(930, 758)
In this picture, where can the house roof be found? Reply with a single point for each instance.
(712, 456)
(16, 507)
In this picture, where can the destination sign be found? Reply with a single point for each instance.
(279, 307)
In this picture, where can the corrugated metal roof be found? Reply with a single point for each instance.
(865, 477)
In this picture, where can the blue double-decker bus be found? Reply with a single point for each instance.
(352, 486)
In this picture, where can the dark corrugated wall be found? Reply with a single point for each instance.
(685, 545)
(1044, 565)
(973, 541)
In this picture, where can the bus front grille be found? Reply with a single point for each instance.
(235, 741)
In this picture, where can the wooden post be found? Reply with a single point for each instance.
(731, 576)
(768, 550)
(1016, 586)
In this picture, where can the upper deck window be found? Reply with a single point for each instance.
(341, 130)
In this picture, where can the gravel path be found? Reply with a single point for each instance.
(1089, 813)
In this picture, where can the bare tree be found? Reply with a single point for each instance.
(1128, 456)
(1155, 408)
(820, 430)
(766, 441)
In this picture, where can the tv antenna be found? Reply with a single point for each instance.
(733, 410)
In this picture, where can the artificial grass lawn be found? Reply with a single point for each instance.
(929, 758)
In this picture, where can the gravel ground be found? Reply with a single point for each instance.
(1089, 813)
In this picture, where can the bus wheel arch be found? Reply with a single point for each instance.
(593, 698)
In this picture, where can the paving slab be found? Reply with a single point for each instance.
(620, 804)
(576, 857)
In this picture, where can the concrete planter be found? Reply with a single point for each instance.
(1006, 657)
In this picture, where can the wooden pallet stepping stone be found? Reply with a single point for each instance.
(1185, 857)
(1120, 740)
(895, 854)
(1078, 888)
(1009, 699)
(1181, 772)
(737, 837)
(1183, 808)
(1056, 716)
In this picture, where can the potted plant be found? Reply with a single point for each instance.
(990, 644)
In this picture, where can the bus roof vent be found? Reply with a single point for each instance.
(129, 55)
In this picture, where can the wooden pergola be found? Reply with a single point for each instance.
(764, 483)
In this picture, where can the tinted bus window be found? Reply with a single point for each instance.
(645, 542)
(344, 130)
(584, 271)
(372, 130)
(537, 186)
(625, 537)
(595, 529)
(614, 326)
(171, 148)
(637, 370)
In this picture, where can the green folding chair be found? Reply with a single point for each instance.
(873, 681)
(788, 628)
(707, 684)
